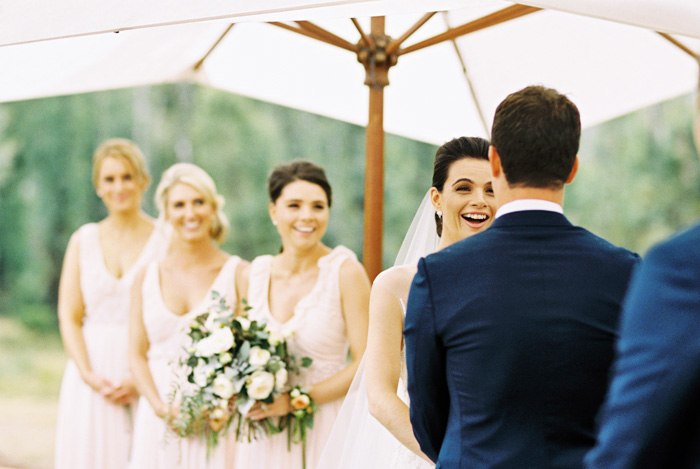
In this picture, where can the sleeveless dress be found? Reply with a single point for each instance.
(155, 445)
(92, 432)
(317, 330)
(358, 440)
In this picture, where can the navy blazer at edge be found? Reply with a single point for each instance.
(651, 418)
(509, 341)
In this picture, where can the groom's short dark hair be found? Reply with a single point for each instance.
(536, 132)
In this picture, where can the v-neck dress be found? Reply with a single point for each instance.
(155, 445)
(92, 432)
(317, 330)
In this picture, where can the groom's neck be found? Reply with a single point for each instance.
(510, 194)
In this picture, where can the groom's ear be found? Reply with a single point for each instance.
(495, 162)
(574, 170)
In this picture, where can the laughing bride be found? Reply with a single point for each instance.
(373, 429)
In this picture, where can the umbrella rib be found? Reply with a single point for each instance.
(363, 35)
(465, 72)
(498, 17)
(680, 45)
(201, 61)
(327, 35)
(306, 33)
(395, 44)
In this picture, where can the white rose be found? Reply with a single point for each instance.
(200, 374)
(210, 323)
(225, 358)
(218, 414)
(258, 357)
(280, 379)
(260, 384)
(275, 338)
(218, 342)
(244, 322)
(223, 387)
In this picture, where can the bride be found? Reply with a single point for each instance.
(373, 429)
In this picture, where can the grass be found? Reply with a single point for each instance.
(30, 374)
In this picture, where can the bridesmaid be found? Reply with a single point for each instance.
(94, 412)
(166, 296)
(315, 295)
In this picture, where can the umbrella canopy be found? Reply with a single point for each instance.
(447, 72)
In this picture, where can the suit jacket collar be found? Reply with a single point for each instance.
(531, 218)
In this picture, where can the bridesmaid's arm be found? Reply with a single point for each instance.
(354, 297)
(71, 311)
(138, 351)
(242, 281)
(383, 361)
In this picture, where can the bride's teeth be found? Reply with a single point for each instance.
(305, 229)
(476, 216)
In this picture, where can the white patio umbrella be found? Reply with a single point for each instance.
(438, 89)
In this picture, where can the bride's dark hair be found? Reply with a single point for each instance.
(448, 153)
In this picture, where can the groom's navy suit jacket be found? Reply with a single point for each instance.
(651, 418)
(509, 340)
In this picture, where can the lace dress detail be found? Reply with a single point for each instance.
(156, 446)
(92, 432)
(317, 330)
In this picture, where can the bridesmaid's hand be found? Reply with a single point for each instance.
(165, 411)
(279, 407)
(98, 383)
(124, 394)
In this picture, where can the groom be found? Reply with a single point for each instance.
(510, 333)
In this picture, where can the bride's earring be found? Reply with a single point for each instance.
(439, 213)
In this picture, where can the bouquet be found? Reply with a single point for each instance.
(230, 364)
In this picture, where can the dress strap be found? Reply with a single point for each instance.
(150, 287)
(329, 270)
(331, 263)
(259, 281)
(225, 282)
(88, 242)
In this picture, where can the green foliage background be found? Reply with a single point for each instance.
(638, 182)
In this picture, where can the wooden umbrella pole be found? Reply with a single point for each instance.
(377, 63)
(374, 184)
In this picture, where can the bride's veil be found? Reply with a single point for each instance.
(357, 439)
(421, 238)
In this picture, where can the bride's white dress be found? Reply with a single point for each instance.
(316, 330)
(358, 440)
(155, 445)
(92, 432)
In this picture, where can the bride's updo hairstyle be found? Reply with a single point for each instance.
(198, 179)
(285, 174)
(448, 153)
(125, 150)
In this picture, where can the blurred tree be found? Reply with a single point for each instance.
(45, 173)
(638, 182)
(639, 178)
